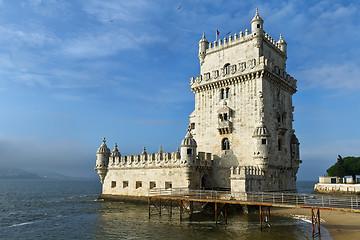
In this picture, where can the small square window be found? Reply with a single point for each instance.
(168, 185)
(152, 185)
(263, 141)
(138, 184)
(113, 184)
(125, 184)
(189, 151)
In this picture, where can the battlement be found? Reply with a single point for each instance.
(246, 172)
(240, 38)
(243, 71)
(164, 159)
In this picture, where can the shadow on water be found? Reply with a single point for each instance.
(130, 221)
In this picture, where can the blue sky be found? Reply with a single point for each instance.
(69, 76)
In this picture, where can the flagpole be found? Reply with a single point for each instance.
(216, 34)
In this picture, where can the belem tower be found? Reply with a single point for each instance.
(240, 135)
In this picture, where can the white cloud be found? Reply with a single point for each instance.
(15, 35)
(344, 76)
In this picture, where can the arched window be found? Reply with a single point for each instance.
(227, 93)
(225, 144)
(222, 93)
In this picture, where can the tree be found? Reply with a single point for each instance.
(345, 166)
(341, 172)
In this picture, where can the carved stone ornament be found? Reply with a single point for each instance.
(198, 78)
(242, 66)
(206, 76)
(252, 63)
(216, 74)
(233, 69)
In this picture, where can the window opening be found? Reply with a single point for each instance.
(152, 185)
(113, 184)
(138, 184)
(279, 144)
(222, 94)
(168, 185)
(189, 151)
(125, 184)
(225, 144)
(227, 92)
(263, 141)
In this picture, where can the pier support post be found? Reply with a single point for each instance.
(215, 212)
(315, 220)
(149, 202)
(170, 207)
(226, 213)
(181, 210)
(160, 206)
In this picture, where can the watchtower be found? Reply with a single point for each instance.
(243, 111)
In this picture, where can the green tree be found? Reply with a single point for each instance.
(344, 167)
(341, 172)
(352, 166)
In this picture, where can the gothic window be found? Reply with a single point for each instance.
(225, 144)
(227, 93)
(225, 117)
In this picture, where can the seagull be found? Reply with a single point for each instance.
(228, 33)
(110, 20)
(179, 7)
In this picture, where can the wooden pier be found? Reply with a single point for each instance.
(160, 200)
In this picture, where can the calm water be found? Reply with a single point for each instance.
(50, 209)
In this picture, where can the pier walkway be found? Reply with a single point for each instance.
(187, 200)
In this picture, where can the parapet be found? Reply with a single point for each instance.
(162, 159)
(242, 71)
(240, 38)
(246, 172)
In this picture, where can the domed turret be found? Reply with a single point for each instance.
(262, 147)
(188, 149)
(102, 160)
(115, 152)
(257, 24)
(282, 44)
(203, 45)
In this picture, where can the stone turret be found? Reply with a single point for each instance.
(262, 137)
(203, 45)
(102, 160)
(282, 44)
(257, 25)
(188, 149)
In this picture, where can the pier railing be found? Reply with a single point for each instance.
(279, 199)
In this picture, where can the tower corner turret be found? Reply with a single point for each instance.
(257, 25)
(188, 149)
(203, 45)
(102, 160)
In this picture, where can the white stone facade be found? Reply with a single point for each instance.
(241, 127)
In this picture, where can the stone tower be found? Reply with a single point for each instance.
(243, 111)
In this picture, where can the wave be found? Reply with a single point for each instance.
(20, 224)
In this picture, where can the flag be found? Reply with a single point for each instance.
(217, 32)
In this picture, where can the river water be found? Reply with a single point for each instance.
(54, 209)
